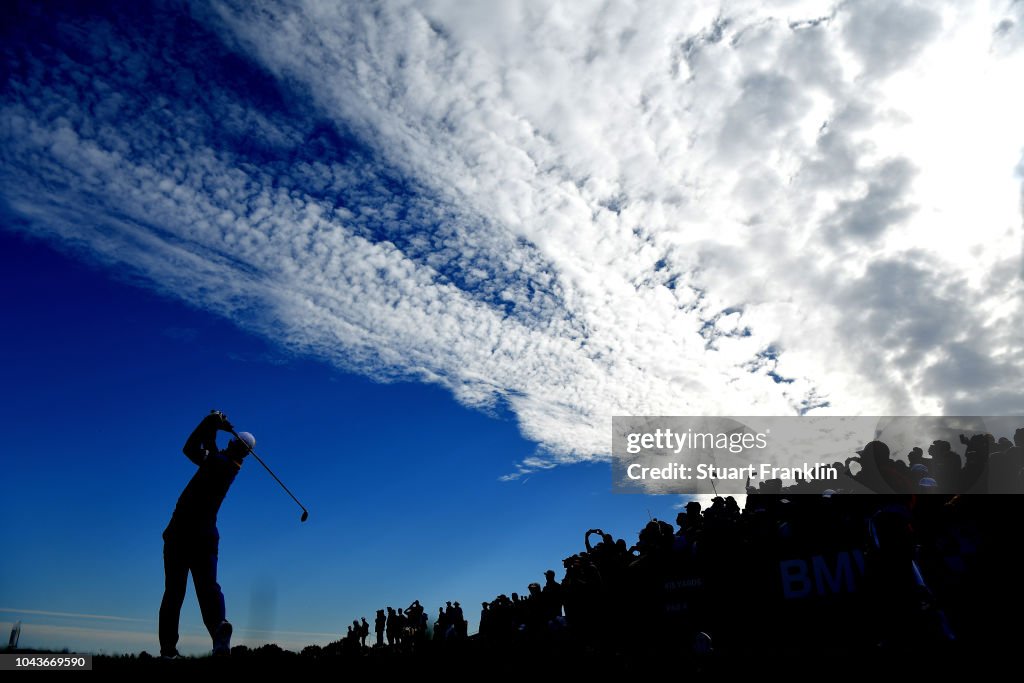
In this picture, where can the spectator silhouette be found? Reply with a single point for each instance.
(391, 626)
(378, 626)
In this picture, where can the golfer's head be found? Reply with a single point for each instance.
(239, 448)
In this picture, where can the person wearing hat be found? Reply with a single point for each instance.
(191, 538)
(551, 596)
(918, 471)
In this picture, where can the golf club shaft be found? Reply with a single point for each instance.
(260, 460)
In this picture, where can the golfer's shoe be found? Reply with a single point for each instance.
(222, 639)
(170, 656)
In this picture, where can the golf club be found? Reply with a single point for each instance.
(305, 512)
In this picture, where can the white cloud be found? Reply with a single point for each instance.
(608, 208)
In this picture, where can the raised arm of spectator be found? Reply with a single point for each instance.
(586, 538)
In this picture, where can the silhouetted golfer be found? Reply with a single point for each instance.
(191, 539)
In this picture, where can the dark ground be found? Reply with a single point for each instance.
(473, 658)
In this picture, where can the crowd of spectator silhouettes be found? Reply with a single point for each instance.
(406, 628)
(789, 572)
(832, 572)
(988, 465)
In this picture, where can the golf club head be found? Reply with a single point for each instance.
(305, 516)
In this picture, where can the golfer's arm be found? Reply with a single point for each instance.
(200, 443)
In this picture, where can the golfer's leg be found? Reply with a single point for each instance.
(175, 584)
(211, 599)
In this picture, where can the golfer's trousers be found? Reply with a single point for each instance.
(179, 560)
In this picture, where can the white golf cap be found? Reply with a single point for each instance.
(248, 438)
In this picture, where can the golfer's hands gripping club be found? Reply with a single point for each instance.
(219, 420)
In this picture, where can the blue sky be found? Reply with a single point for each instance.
(426, 250)
(401, 481)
